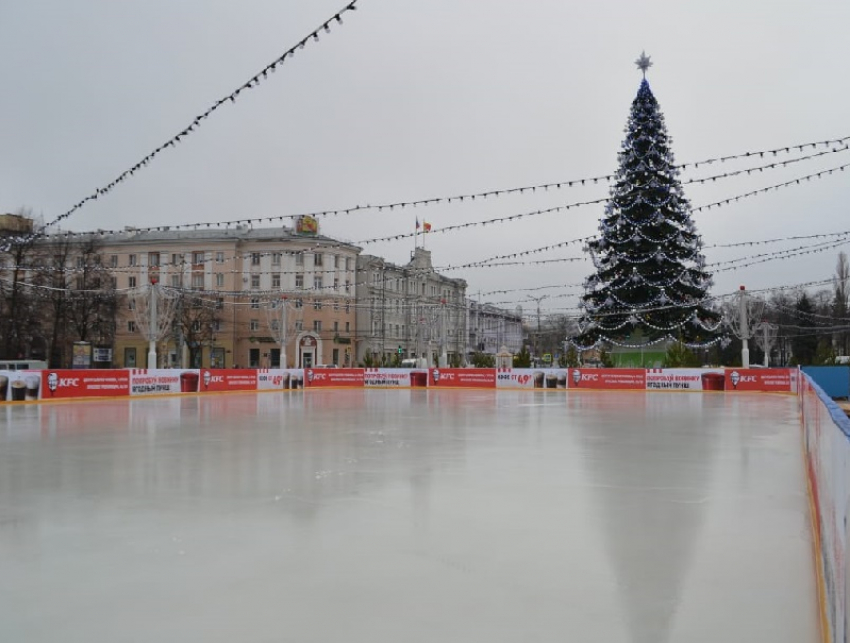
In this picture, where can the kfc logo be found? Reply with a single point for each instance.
(436, 376)
(62, 382)
(589, 377)
(576, 376)
(207, 379)
(52, 382)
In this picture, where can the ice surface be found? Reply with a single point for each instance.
(406, 516)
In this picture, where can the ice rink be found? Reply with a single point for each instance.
(407, 515)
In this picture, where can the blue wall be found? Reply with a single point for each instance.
(834, 380)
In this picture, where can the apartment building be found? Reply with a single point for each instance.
(243, 294)
(491, 328)
(409, 311)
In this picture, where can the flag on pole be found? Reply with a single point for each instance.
(417, 223)
(426, 226)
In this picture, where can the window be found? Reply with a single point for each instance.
(336, 326)
(153, 259)
(276, 281)
(131, 282)
(317, 304)
(255, 302)
(198, 280)
(299, 325)
(176, 259)
(317, 259)
(337, 261)
(299, 303)
(275, 258)
(113, 261)
(347, 327)
(175, 281)
(336, 305)
(347, 286)
(131, 326)
(132, 260)
(317, 283)
(129, 357)
(81, 262)
(255, 281)
(348, 308)
(219, 302)
(219, 279)
(336, 283)
(348, 263)
(299, 282)
(275, 324)
(335, 359)
(299, 259)
(255, 258)
(196, 326)
(255, 324)
(219, 257)
(197, 258)
(131, 304)
(317, 325)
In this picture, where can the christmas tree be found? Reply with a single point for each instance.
(650, 284)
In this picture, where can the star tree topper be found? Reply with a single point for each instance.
(643, 63)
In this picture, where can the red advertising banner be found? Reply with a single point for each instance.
(224, 379)
(607, 378)
(462, 377)
(769, 380)
(84, 383)
(333, 377)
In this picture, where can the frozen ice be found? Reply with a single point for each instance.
(506, 516)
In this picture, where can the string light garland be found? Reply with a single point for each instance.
(196, 123)
(545, 187)
(470, 197)
(5, 246)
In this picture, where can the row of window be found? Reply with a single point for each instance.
(398, 285)
(199, 257)
(197, 281)
(254, 325)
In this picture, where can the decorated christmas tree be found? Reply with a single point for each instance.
(650, 284)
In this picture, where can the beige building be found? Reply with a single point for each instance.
(237, 295)
(410, 309)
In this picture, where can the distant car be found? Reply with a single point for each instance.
(326, 366)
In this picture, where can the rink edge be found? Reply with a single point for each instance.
(817, 552)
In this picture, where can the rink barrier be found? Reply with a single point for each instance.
(826, 439)
(30, 386)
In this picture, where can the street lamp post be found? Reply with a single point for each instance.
(537, 300)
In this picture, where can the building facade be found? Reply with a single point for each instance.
(257, 298)
(492, 328)
(409, 311)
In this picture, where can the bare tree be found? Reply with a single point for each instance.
(197, 320)
(20, 314)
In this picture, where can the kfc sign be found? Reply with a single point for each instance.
(70, 384)
(462, 377)
(607, 378)
(776, 380)
(334, 377)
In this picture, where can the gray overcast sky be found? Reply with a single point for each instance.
(409, 100)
